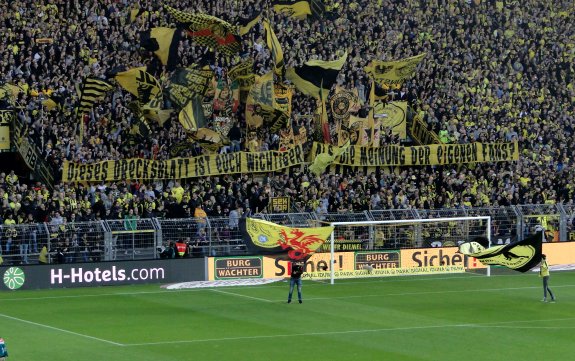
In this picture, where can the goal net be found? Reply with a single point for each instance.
(401, 247)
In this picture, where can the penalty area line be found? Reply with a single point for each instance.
(345, 332)
(240, 295)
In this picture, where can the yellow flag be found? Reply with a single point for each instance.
(324, 160)
(298, 242)
(140, 83)
(275, 48)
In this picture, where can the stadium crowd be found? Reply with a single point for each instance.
(495, 71)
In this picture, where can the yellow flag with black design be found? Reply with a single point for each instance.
(192, 115)
(275, 49)
(246, 24)
(140, 83)
(323, 160)
(393, 116)
(298, 243)
(315, 75)
(392, 74)
(294, 8)
(163, 42)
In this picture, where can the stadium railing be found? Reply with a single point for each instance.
(111, 240)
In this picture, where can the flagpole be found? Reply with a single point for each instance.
(370, 120)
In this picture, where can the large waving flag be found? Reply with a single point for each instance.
(324, 160)
(392, 74)
(520, 256)
(268, 238)
(196, 80)
(295, 8)
(275, 48)
(262, 109)
(209, 30)
(244, 76)
(246, 24)
(92, 91)
(140, 83)
(392, 116)
(315, 75)
(192, 115)
(163, 42)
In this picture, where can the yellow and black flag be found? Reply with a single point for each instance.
(136, 13)
(295, 8)
(140, 83)
(282, 98)
(92, 91)
(209, 139)
(392, 116)
(269, 238)
(192, 115)
(8, 93)
(392, 74)
(209, 30)
(246, 24)
(243, 75)
(318, 9)
(163, 42)
(276, 50)
(520, 255)
(260, 110)
(323, 160)
(315, 75)
(53, 102)
(141, 128)
(197, 81)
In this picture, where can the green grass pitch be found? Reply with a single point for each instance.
(444, 317)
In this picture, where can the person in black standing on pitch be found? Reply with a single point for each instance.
(295, 279)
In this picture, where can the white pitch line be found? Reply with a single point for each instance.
(61, 330)
(239, 338)
(434, 292)
(239, 295)
(526, 327)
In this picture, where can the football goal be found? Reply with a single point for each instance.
(405, 247)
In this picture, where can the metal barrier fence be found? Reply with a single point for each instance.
(137, 239)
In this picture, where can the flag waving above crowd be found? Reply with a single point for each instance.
(208, 30)
(392, 74)
(316, 75)
(163, 42)
(269, 238)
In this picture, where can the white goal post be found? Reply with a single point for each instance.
(406, 234)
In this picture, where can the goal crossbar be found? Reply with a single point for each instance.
(401, 222)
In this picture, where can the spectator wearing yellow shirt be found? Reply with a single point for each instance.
(12, 179)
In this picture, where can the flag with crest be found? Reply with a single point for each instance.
(298, 243)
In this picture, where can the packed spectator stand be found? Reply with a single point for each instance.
(495, 71)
